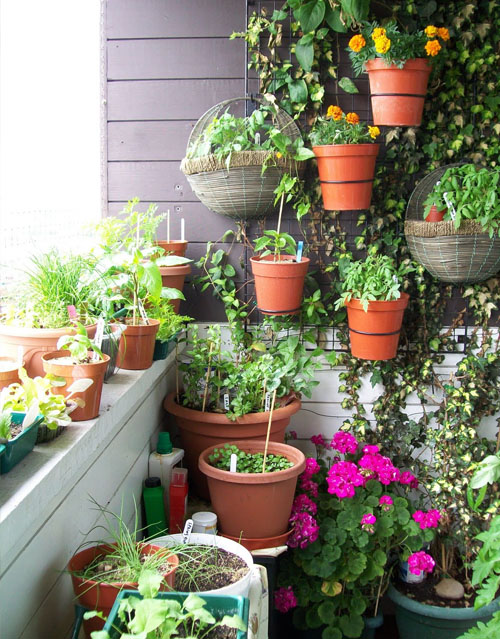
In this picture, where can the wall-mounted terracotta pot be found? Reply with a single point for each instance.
(173, 277)
(279, 284)
(173, 247)
(137, 345)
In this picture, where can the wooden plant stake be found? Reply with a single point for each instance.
(205, 393)
(268, 430)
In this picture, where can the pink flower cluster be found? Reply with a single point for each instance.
(420, 561)
(305, 530)
(306, 483)
(285, 599)
(344, 443)
(386, 502)
(430, 519)
(318, 440)
(408, 479)
(367, 522)
(342, 479)
(376, 466)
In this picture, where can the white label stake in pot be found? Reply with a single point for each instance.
(233, 463)
(186, 533)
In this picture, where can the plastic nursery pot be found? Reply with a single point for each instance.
(374, 333)
(173, 277)
(264, 542)
(371, 625)
(434, 215)
(279, 284)
(137, 345)
(253, 505)
(9, 371)
(17, 448)
(416, 620)
(101, 596)
(72, 372)
(162, 349)
(34, 342)
(173, 247)
(346, 174)
(199, 430)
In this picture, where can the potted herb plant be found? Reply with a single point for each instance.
(397, 69)
(346, 159)
(371, 291)
(18, 432)
(171, 324)
(74, 370)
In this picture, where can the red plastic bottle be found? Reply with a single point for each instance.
(178, 500)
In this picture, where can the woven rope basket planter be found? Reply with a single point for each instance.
(242, 191)
(457, 256)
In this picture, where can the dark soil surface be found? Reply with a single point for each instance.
(207, 568)
(15, 430)
(424, 593)
(113, 569)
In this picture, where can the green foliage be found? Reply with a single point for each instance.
(274, 243)
(247, 462)
(170, 322)
(79, 345)
(5, 423)
(339, 128)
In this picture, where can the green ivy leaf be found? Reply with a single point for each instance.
(347, 85)
(305, 54)
(311, 14)
(298, 90)
(334, 21)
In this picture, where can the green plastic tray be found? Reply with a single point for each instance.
(162, 349)
(218, 605)
(16, 449)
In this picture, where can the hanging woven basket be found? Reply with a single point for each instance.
(242, 191)
(458, 256)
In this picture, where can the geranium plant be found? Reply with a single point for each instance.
(352, 520)
(338, 127)
(394, 46)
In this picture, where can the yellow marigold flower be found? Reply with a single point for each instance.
(443, 33)
(382, 44)
(431, 31)
(279, 154)
(352, 118)
(432, 47)
(334, 112)
(378, 32)
(357, 42)
(374, 131)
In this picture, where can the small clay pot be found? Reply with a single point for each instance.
(137, 345)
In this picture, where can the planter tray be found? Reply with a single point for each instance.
(16, 449)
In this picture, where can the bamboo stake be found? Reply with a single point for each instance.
(205, 393)
(177, 371)
(268, 431)
(378, 594)
(280, 213)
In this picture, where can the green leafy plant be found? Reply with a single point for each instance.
(247, 462)
(274, 243)
(170, 322)
(5, 424)
(468, 192)
(341, 128)
(78, 345)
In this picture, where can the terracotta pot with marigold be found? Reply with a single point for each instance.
(397, 69)
(352, 521)
(346, 155)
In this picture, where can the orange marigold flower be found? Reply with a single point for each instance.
(431, 31)
(374, 131)
(378, 32)
(432, 47)
(352, 118)
(382, 44)
(334, 112)
(357, 42)
(443, 33)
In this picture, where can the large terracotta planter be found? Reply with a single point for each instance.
(200, 430)
(173, 277)
(346, 174)
(137, 345)
(101, 596)
(9, 371)
(279, 285)
(71, 372)
(34, 343)
(173, 247)
(374, 333)
(253, 505)
(398, 95)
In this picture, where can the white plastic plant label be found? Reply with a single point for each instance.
(186, 533)
(233, 463)
(226, 401)
(267, 403)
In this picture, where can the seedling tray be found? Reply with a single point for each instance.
(16, 449)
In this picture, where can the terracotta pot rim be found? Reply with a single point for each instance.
(380, 305)
(37, 333)
(293, 454)
(336, 150)
(137, 327)
(414, 64)
(160, 242)
(285, 260)
(180, 269)
(192, 414)
(52, 355)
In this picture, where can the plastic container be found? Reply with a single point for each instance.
(204, 522)
(161, 463)
(152, 493)
(16, 449)
(178, 499)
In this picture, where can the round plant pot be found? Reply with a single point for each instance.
(253, 505)
(199, 430)
(397, 95)
(374, 333)
(434, 215)
(9, 371)
(72, 372)
(34, 343)
(241, 587)
(371, 625)
(173, 247)
(279, 285)
(173, 277)
(264, 542)
(416, 620)
(137, 345)
(346, 175)
(101, 596)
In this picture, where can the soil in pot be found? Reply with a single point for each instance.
(424, 593)
(203, 568)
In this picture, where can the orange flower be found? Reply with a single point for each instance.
(444, 34)
(382, 44)
(378, 32)
(432, 47)
(357, 42)
(352, 118)
(431, 31)
(334, 112)
(374, 131)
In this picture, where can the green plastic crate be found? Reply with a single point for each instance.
(218, 605)
(162, 349)
(16, 449)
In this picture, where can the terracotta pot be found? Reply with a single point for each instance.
(263, 542)
(398, 95)
(9, 371)
(173, 247)
(253, 505)
(434, 215)
(101, 596)
(137, 345)
(173, 277)
(200, 430)
(279, 285)
(34, 342)
(374, 333)
(72, 372)
(346, 175)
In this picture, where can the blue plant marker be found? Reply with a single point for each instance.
(300, 248)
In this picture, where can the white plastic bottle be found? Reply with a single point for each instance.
(161, 462)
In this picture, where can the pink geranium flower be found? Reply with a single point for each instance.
(285, 599)
(419, 561)
(344, 443)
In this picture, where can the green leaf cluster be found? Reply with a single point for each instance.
(247, 462)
